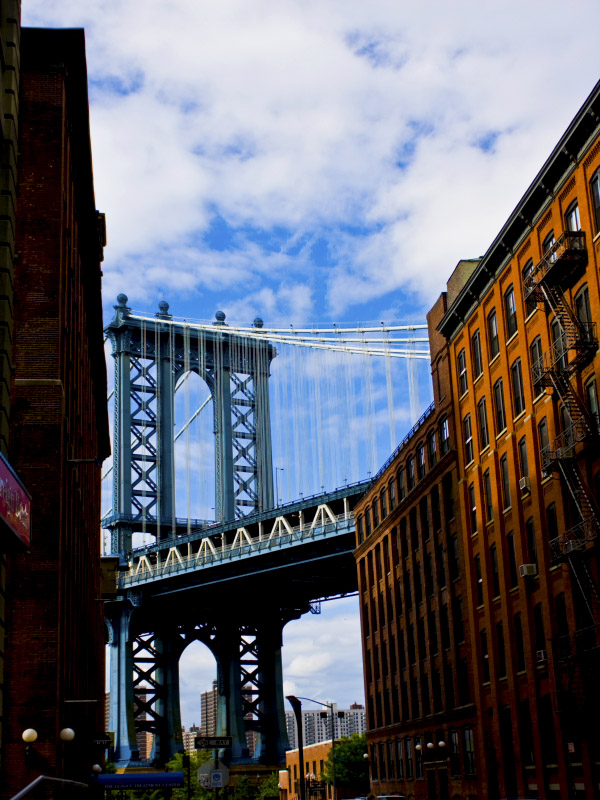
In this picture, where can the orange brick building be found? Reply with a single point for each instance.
(520, 333)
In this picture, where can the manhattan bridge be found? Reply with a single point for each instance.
(232, 574)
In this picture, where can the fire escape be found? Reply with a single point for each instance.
(572, 348)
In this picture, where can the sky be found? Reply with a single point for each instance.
(316, 161)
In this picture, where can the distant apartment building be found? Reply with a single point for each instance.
(208, 711)
(189, 737)
(316, 724)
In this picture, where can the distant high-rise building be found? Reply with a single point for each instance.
(316, 724)
(189, 737)
(208, 710)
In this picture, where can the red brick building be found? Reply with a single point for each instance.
(521, 348)
(54, 659)
(420, 703)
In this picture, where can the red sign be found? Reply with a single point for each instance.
(15, 503)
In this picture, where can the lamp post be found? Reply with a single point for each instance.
(277, 470)
(299, 721)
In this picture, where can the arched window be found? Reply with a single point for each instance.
(595, 192)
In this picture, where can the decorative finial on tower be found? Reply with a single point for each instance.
(220, 317)
(122, 299)
(163, 310)
(258, 323)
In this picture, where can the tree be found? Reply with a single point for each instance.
(196, 760)
(351, 767)
(270, 786)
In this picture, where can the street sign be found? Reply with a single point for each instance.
(212, 742)
(213, 775)
(142, 780)
(216, 779)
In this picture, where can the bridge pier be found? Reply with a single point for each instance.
(122, 721)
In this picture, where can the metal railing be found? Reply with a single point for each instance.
(191, 562)
(424, 417)
(40, 779)
(570, 244)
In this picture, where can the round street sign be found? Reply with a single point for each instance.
(213, 776)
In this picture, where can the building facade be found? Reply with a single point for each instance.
(517, 334)
(420, 706)
(54, 665)
(524, 348)
(315, 757)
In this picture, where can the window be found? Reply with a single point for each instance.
(476, 356)
(478, 580)
(523, 462)
(547, 246)
(468, 438)
(453, 556)
(401, 484)
(512, 560)
(436, 512)
(409, 759)
(421, 461)
(469, 744)
(473, 508)
(432, 447)
(537, 364)
(530, 303)
(392, 492)
(484, 433)
(493, 338)
(591, 394)
(543, 439)
(531, 544)
(519, 644)
(445, 435)
(485, 657)
(463, 382)
(518, 387)
(454, 755)
(572, 218)
(400, 758)
(501, 651)
(499, 406)
(595, 191)
(552, 522)
(487, 492)
(383, 497)
(368, 526)
(361, 528)
(510, 309)
(582, 306)
(375, 512)
(495, 572)
(559, 345)
(410, 474)
(505, 481)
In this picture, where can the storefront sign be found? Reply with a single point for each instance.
(15, 504)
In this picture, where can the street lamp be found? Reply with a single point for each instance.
(299, 721)
(277, 469)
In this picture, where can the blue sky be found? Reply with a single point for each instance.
(316, 161)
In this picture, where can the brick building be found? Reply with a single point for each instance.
(54, 663)
(10, 17)
(414, 604)
(315, 757)
(521, 348)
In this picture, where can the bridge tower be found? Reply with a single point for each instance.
(151, 356)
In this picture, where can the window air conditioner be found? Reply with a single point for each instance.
(541, 656)
(528, 570)
(524, 485)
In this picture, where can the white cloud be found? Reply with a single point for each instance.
(296, 115)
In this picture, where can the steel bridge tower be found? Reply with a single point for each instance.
(151, 356)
